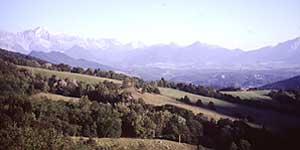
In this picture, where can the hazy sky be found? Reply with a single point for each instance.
(245, 24)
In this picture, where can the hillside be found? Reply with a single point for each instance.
(161, 99)
(271, 119)
(288, 84)
(43, 118)
(223, 109)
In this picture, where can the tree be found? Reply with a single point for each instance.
(199, 103)
(176, 127)
(63, 67)
(185, 99)
(233, 146)
(126, 83)
(107, 120)
(77, 70)
(244, 145)
(211, 106)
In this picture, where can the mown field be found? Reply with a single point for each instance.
(160, 99)
(54, 97)
(250, 95)
(173, 93)
(138, 144)
(77, 76)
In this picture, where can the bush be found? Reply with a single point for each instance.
(199, 103)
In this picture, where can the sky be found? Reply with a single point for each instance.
(244, 24)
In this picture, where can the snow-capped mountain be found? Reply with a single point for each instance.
(39, 39)
(110, 51)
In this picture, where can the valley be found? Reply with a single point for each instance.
(199, 63)
(157, 111)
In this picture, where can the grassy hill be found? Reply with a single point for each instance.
(77, 76)
(138, 144)
(270, 119)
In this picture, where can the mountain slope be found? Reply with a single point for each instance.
(283, 53)
(288, 84)
(58, 57)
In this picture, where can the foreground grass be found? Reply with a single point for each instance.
(138, 144)
(250, 95)
(80, 77)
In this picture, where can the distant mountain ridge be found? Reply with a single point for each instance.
(171, 61)
(58, 57)
(287, 84)
(110, 51)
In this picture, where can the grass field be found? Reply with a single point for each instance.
(250, 95)
(161, 99)
(173, 93)
(77, 76)
(54, 97)
(138, 144)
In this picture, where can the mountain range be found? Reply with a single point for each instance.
(171, 61)
(58, 57)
